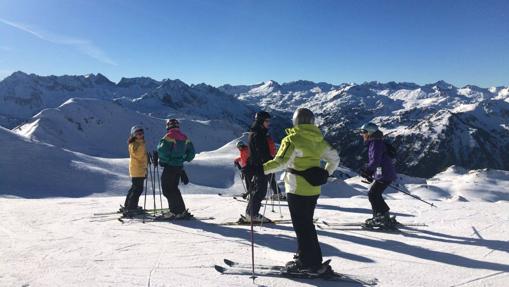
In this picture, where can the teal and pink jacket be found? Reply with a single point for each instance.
(175, 148)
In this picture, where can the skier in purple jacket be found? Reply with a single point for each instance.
(381, 172)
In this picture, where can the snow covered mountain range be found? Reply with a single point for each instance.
(433, 126)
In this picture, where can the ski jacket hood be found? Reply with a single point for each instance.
(176, 134)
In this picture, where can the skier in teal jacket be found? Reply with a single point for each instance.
(173, 150)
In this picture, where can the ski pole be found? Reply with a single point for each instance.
(273, 192)
(154, 186)
(412, 195)
(160, 189)
(279, 199)
(252, 231)
(405, 192)
(151, 177)
(155, 161)
(145, 200)
(243, 184)
(264, 209)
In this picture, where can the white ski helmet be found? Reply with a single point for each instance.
(303, 116)
(136, 129)
(369, 128)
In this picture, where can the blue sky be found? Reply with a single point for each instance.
(245, 42)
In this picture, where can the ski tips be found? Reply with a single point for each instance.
(228, 262)
(219, 269)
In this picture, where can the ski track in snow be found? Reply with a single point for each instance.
(52, 242)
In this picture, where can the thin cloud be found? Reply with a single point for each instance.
(83, 46)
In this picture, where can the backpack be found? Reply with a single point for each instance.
(391, 151)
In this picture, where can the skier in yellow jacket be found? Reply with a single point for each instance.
(138, 162)
(300, 154)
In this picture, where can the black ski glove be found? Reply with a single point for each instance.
(149, 158)
(365, 174)
(183, 177)
(155, 158)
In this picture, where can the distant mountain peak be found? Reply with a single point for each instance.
(443, 85)
(18, 75)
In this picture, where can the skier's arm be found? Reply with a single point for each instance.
(284, 157)
(254, 151)
(190, 152)
(375, 156)
(136, 153)
(332, 158)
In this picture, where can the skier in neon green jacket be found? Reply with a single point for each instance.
(303, 148)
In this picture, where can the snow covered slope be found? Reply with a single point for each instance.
(58, 172)
(101, 127)
(34, 170)
(58, 242)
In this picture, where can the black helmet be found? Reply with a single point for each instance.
(241, 144)
(261, 116)
(303, 116)
(172, 123)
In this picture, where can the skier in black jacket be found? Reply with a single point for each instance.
(259, 153)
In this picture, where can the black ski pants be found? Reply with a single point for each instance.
(378, 204)
(170, 180)
(133, 196)
(302, 209)
(258, 189)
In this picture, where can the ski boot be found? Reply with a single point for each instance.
(123, 208)
(294, 266)
(325, 270)
(168, 215)
(256, 219)
(130, 213)
(381, 220)
(184, 215)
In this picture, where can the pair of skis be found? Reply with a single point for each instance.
(161, 218)
(236, 268)
(244, 221)
(326, 224)
(145, 215)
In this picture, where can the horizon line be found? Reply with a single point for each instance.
(9, 74)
